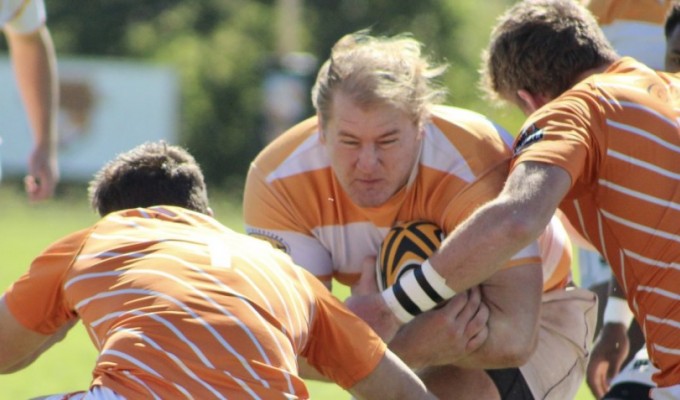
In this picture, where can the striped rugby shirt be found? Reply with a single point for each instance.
(181, 307)
(617, 134)
(293, 199)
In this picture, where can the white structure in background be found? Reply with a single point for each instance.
(106, 107)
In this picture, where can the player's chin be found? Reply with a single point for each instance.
(369, 196)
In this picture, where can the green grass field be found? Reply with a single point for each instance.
(26, 230)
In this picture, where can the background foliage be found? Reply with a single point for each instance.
(222, 50)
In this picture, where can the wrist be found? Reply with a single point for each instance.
(417, 291)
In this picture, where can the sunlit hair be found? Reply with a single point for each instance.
(542, 46)
(153, 173)
(377, 71)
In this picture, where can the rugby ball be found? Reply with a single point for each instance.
(405, 247)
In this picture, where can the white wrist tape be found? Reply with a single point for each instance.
(437, 281)
(617, 311)
(417, 291)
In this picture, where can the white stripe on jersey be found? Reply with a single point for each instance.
(640, 195)
(172, 356)
(143, 366)
(244, 363)
(443, 156)
(313, 156)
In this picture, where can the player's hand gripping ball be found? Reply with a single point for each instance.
(405, 247)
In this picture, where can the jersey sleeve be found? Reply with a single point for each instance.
(268, 215)
(29, 15)
(341, 345)
(565, 133)
(36, 299)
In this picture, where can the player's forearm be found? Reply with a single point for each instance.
(479, 248)
(34, 61)
(417, 355)
(499, 229)
(514, 315)
(508, 346)
(23, 347)
(511, 339)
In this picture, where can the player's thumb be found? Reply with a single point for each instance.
(367, 281)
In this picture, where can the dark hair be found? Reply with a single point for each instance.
(153, 173)
(672, 20)
(542, 46)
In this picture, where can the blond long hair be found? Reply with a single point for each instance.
(379, 70)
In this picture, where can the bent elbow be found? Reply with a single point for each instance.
(524, 229)
(522, 354)
(517, 353)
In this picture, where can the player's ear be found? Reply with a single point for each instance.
(420, 126)
(530, 102)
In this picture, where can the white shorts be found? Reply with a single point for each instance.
(558, 366)
(95, 393)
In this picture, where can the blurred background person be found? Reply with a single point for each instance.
(35, 66)
(672, 35)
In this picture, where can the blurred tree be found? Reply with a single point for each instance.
(222, 49)
(453, 31)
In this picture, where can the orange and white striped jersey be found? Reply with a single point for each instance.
(292, 197)
(649, 11)
(181, 307)
(618, 136)
(22, 16)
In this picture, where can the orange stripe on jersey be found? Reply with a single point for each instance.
(617, 135)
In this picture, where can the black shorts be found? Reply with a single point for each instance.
(628, 391)
(510, 384)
